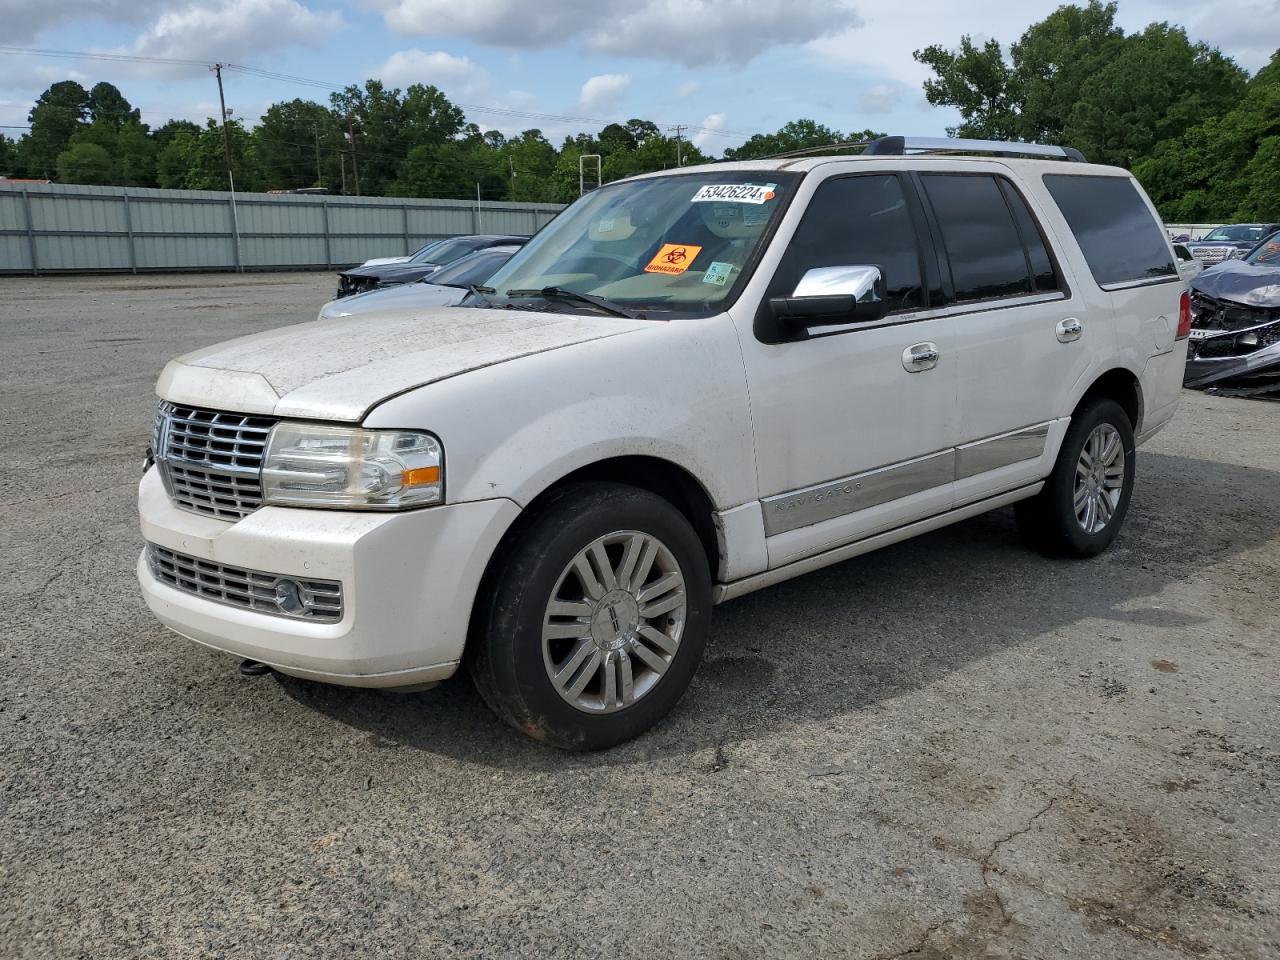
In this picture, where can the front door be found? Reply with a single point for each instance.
(855, 425)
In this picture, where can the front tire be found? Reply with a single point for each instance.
(1085, 499)
(592, 623)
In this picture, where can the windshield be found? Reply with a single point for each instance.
(1239, 233)
(1266, 252)
(476, 268)
(678, 244)
(421, 252)
(445, 251)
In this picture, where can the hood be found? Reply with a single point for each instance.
(394, 272)
(381, 261)
(340, 369)
(406, 296)
(1253, 284)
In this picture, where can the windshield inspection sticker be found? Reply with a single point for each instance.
(717, 273)
(673, 258)
(735, 193)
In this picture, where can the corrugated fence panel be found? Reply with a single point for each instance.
(81, 228)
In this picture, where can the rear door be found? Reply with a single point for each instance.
(1024, 333)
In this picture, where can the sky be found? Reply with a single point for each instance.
(723, 69)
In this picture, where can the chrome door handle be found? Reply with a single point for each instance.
(1069, 329)
(920, 357)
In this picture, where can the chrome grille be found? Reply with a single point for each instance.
(249, 589)
(1211, 254)
(211, 461)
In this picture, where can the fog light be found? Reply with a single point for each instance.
(289, 597)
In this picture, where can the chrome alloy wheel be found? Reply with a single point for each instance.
(614, 621)
(1099, 478)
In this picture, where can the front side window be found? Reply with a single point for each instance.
(1120, 239)
(682, 244)
(981, 240)
(857, 221)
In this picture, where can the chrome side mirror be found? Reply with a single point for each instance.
(834, 295)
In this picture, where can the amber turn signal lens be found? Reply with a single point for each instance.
(419, 476)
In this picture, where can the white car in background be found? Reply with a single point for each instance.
(381, 261)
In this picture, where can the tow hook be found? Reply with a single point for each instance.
(252, 668)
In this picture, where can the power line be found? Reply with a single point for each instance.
(328, 85)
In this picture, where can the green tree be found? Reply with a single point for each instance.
(1226, 167)
(530, 161)
(297, 143)
(1076, 78)
(54, 119)
(384, 124)
(85, 163)
(108, 104)
(794, 135)
(176, 158)
(8, 156)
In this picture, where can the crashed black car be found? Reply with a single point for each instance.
(1235, 325)
(424, 262)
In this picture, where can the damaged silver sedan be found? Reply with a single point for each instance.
(1235, 326)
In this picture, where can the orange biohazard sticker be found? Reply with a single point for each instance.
(673, 258)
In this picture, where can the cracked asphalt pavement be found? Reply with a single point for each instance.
(950, 748)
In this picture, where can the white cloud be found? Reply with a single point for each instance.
(695, 32)
(882, 97)
(603, 91)
(688, 88)
(706, 139)
(1248, 31)
(24, 21)
(459, 77)
(230, 29)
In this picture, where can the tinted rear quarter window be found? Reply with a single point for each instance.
(1043, 274)
(979, 235)
(1120, 239)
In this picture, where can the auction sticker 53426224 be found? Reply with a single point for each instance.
(735, 193)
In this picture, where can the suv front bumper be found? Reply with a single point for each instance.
(408, 583)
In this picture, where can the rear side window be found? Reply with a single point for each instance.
(981, 240)
(1121, 241)
(854, 221)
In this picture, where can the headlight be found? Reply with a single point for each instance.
(314, 465)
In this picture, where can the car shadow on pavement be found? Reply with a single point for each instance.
(844, 638)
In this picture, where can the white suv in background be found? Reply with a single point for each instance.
(688, 386)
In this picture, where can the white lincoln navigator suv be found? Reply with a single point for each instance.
(688, 386)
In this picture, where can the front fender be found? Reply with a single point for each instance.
(675, 391)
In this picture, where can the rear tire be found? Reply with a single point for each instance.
(591, 625)
(1085, 499)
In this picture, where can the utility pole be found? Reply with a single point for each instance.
(513, 178)
(231, 179)
(342, 162)
(477, 206)
(319, 174)
(355, 170)
(679, 127)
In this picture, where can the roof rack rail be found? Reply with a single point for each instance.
(899, 146)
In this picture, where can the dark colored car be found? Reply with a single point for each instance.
(1235, 326)
(425, 262)
(1225, 243)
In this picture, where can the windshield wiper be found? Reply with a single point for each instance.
(561, 293)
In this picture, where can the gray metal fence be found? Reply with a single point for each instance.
(57, 228)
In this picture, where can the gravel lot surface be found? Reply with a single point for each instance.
(951, 748)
